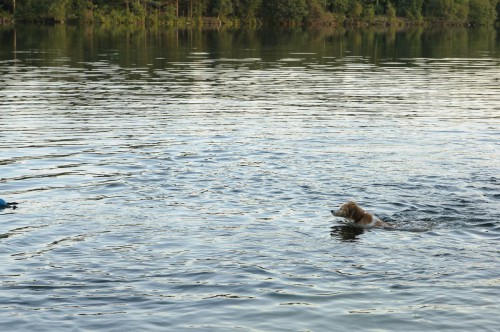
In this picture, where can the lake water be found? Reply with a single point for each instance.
(183, 180)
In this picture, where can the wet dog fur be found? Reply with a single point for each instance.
(359, 217)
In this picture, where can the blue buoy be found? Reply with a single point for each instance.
(4, 204)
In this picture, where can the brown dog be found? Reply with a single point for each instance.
(359, 217)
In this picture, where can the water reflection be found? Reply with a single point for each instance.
(146, 48)
(346, 233)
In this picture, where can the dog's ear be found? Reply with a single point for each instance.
(351, 207)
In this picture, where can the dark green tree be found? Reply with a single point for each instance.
(248, 9)
(482, 12)
(338, 6)
(391, 13)
(442, 9)
(410, 8)
(222, 8)
(285, 11)
(355, 10)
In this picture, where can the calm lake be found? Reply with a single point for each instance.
(173, 180)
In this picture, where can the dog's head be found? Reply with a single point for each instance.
(348, 210)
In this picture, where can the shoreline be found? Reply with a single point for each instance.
(210, 22)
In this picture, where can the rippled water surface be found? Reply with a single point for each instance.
(183, 180)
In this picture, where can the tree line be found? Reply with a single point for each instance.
(254, 12)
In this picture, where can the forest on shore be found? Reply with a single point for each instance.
(253, 12)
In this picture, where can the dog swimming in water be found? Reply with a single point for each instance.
(359, 217)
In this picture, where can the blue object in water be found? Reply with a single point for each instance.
(4, 204)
